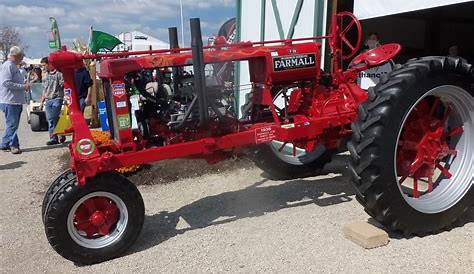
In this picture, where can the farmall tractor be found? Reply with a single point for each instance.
(411, 137)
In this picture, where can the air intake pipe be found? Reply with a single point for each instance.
(177, 72)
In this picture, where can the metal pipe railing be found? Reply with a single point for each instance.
(180, 50)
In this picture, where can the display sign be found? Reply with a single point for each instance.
(294, 62)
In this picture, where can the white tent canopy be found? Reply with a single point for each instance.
(32, 61)
(136, 40)
(366, 9)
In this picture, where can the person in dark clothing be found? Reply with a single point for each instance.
(83, 83)
(36, 76)
(373, 41)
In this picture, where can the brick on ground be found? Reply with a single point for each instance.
(366, 235)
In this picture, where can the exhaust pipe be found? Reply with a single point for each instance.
(198, 67)
(177, 72)
(173, 36)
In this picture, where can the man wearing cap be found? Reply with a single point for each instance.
(12, 98)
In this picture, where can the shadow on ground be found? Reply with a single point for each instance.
(41, 148)
(12, 165)
(253, 201)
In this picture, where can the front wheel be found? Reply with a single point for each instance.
(55, 186)
(413, 147)
(96, 222)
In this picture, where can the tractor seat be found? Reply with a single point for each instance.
(376, 56)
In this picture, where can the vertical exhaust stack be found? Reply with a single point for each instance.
(198, 68)
(174, 44)
(173, 36)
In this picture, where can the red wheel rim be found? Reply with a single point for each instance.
(95, 217)
(97, 220)
(424, 144)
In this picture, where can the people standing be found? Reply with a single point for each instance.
(83, 83)
(12, 98)
(53, 94)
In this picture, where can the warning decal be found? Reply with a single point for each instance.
(264, 135)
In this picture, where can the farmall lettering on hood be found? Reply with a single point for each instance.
(294, 62)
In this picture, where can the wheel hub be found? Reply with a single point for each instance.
(96, 216)
(97, 219)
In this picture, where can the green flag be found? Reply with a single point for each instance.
(54, 39)
(101, 40)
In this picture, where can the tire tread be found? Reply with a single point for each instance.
(365, 166)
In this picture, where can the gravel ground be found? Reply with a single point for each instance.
(225, 219)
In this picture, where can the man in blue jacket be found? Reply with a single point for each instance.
(12, 98)
(83, 83)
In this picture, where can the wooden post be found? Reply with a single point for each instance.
(332, 9)
(93, 95)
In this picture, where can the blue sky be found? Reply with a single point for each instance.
(31, 18)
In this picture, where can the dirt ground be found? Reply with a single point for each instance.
(224, 218)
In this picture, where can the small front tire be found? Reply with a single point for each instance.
(96, 222)
(55, 186)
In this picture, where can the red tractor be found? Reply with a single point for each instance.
(412, 160)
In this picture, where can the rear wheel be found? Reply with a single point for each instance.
(96, 222)
(284, 165)
(413, 147)
(283, 161)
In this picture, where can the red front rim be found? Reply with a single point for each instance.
(96, 217)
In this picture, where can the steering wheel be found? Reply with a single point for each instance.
(377, 56)
(346, 22)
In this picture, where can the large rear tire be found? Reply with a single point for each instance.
(96, 222)
(285, 161)
(412, 148)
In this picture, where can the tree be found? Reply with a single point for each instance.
(9, 37)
